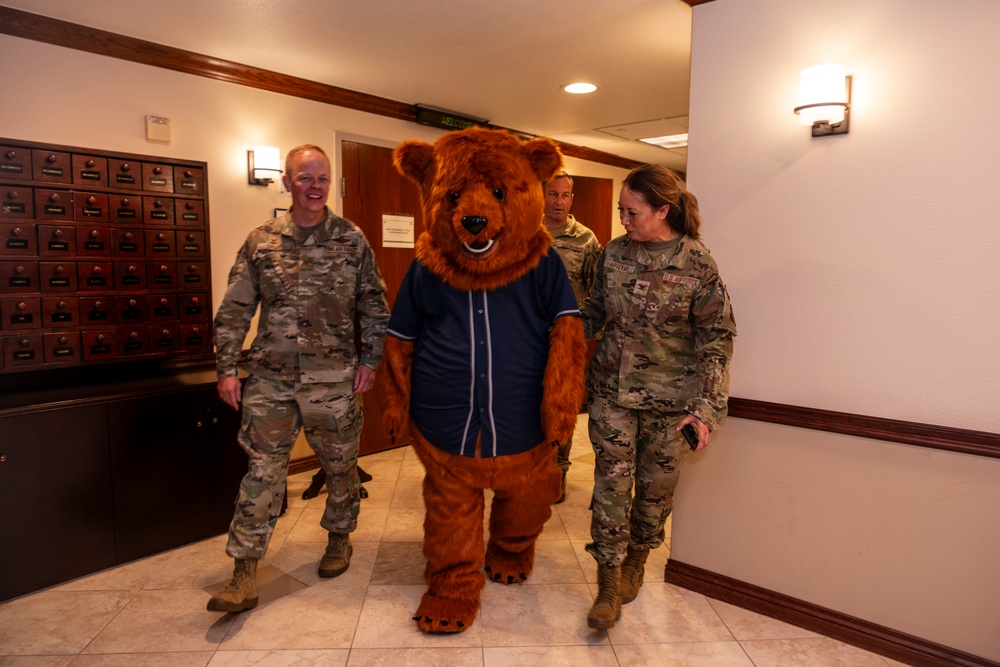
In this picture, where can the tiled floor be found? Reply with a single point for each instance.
(152, 612)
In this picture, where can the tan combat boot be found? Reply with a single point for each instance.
(633, 570)
(608, 607)
(337, 558)
(241, 593)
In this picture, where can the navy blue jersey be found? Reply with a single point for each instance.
(479, 356)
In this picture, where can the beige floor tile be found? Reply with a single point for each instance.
(36, 660)
(57, 622)
(379, 494)
(281, 658)
(404, 524)
(129, 577)
(323, 616)
(301, 560)
(177, 659)
(814, 652)
(745, 624)
(556, 563)
(575, 520)
(381, 469)
(387, 622)
(416, 657)
(394, 454)
(601, 655)
(161, 621)
(408, 493)
(541, 615)
(399, 564)
(694, 654)
(664, 614)
(371, 523)
(553, 529)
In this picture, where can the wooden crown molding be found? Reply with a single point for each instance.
(45, 29)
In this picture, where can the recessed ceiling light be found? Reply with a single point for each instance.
(668, 141)
(579, 88)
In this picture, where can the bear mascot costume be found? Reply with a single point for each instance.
(483, 362)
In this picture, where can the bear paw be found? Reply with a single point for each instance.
(508, 567)
(441, 615)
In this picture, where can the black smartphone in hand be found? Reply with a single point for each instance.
(691, 436)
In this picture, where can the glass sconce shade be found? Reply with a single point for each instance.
(822, 94)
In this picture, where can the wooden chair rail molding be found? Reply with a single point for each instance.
(82, 38)
(848, 629)
(977, 443)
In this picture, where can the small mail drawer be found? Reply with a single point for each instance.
(58, 311)
(94, 276)
(90, 170)
(132, 341)
(18, 277)
(157, 177)
(127, 243)
(16, 203)
(165, 338)
(193, 306)
(161, 275)
(60, 276)
(90, 207)
(124, 174)
(158, 210)
(57, 240)
(192, 274)
(131, 309)
(96, 310)
(163, 308)
(51, 166)
(196, 337)
(18, 314)
(190, 213)
(62, 347)
(93, 240)
(99, 344)
(160, 243)
(18, 238)
(53, 204)
(125, 209)
(23, 350)
(189, 180)
(130, 276)
(191, 243)
(15, 162)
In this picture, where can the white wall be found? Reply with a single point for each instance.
(864, 276)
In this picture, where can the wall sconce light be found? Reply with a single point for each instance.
(263, 165)
(825, 100)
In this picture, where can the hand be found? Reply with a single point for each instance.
(230, 391)
(364, 379)
(703, 433)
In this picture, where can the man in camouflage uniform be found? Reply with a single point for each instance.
(579, 250)
(663, 363)
(310, 271)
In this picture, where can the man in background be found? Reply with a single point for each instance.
(579, 249)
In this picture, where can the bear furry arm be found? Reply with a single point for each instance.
(563, 382)
(394, 386)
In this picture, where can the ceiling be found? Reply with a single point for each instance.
(499, 60)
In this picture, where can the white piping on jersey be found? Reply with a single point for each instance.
(472, 377)
(396, 334)
(489, 370)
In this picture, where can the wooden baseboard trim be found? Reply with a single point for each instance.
(977, 443)
(848, 629)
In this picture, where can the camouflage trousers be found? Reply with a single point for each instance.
(273, 414)
(638, 460)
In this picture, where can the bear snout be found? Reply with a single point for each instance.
(474, 223)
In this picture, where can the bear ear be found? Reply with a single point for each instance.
(412, 158)
(544, 157)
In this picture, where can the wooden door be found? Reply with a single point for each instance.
(593, 205)
(373, 188)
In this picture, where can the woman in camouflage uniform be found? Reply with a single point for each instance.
(662, 364)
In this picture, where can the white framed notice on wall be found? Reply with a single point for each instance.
(397, 231)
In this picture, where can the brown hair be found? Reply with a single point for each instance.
(660, 186)
(561, 174)
(302, 149)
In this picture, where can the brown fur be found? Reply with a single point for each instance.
(493, 176)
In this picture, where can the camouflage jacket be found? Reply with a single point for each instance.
(308, 294)
(668, 330)
(579, 250)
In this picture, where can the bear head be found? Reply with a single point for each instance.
(482, 201)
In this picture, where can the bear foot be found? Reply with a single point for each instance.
(441, 615)
(508, 567)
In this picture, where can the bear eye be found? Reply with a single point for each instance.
(498, 193)
(453, 196)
